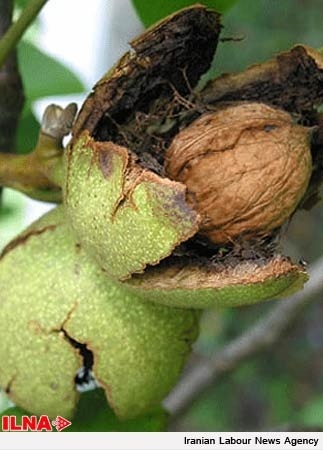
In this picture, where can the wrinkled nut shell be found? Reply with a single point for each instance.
(246, 167)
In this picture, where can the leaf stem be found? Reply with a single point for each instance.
(17, 29)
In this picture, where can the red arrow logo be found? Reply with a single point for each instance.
(60, 423)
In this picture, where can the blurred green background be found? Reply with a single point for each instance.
(282, 387)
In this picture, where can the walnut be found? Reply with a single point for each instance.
(246, 168)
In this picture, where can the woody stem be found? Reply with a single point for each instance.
(17, 29)
(32, 174)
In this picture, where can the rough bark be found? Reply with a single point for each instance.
(11, 88)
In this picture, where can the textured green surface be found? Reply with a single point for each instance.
(48, 285)
(33, 306)
(229, 296)
(124, 231)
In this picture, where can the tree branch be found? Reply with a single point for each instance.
(11, 90)
(39, 174)
(263, 335)
(33, 175)
(16, 30)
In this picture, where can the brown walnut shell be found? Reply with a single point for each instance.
(246, 168)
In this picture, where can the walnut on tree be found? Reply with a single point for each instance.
(246, 168)
(142, 178)
(140, 213)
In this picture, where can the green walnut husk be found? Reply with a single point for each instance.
(60, 313)
(123, 232)
(134, 221)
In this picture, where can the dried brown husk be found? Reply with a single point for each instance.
(145, 91)
(291, 81)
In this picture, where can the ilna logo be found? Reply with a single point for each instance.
(34, 423)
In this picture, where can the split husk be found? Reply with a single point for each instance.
(61, 314)
(135, 222)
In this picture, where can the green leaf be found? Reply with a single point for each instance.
(94, 414)
(151, 12)
(14, 411)
(27, 132)
(21, 3)
(43, 76)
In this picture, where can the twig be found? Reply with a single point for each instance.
(262, 335)
(11, 90)
(32, 175)
(39, 173)
(17, 29)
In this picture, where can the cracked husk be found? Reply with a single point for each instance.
(54, 293)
